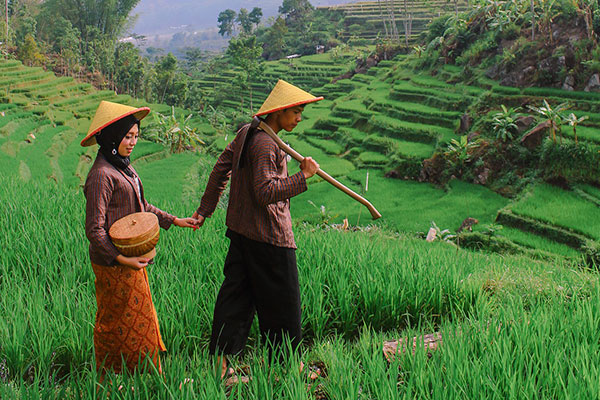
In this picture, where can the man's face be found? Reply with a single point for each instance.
(290, 117)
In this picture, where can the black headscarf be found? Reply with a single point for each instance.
(110, 138)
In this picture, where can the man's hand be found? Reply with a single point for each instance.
(199, 220)
(185, 222)
(132, 262)
(309, 167)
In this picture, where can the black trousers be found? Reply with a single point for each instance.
(260, 278)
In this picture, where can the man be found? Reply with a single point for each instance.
(260, 268)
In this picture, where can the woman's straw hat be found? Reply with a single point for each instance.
(106, 114)
(285, 95)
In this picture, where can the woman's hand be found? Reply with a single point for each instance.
(133, 262)
(185, 222)
(199, 219)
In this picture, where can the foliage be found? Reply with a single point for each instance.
(504, 124)
(442, 235)
(553, 115)
(460, 151)
(573, 121)
(570, 161)
(29, 52)
(175, 132)
(245, 52)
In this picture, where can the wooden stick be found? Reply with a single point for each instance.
(298, 157)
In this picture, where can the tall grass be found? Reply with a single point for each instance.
(357, 290)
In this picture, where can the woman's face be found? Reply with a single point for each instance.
(129, 141)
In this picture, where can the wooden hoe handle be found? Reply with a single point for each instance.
(298, 157)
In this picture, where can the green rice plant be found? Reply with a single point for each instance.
(533, 241)
(561, 94)
(334, 166)
(406, 206)
(410, 131)
(560, 207)
(328, 146)
(372, 158)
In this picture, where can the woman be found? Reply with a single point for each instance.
(126, 326)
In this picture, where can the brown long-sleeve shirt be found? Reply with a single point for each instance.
(111, 195)
(259, 206)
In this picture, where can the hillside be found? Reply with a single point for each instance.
(389, 120)
(430, 143)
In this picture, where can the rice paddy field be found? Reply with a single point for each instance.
(512, 326)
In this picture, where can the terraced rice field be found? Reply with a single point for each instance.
(366, 124)
(369, 16)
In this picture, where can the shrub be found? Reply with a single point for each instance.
(570, 161)
(591, 251)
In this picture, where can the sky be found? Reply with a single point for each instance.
(171, 16)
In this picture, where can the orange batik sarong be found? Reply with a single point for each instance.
(126, 328)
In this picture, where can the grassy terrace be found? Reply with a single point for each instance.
(368, 14)
(561, 208)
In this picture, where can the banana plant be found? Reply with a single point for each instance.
(553, 115)
(573, 121)
(176, 132)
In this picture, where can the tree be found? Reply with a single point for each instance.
(110, 17)
(225, 22)
(129, 68)
(193, 60)
(296, 12)
(29, 52)
(66, 43)
(245, 53)
(255, 15)
(166, 68)
(274, 46)
(244, 21)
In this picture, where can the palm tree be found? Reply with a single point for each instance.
(573, 121)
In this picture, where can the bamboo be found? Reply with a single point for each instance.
(298, 157)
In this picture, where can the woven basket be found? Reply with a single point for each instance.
(136, 235)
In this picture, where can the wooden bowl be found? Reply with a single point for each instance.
(136, 235)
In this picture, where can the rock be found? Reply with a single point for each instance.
(392, 174)
(547, 64)
(493, 71)
(372, 61)
(534, 137)
(524, 122)
(429, 343)
(467, 225)
(472, 136)
(569, 83)
(481, 179)
(465, 123)
(593, 84)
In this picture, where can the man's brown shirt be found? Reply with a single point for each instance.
(259, 206)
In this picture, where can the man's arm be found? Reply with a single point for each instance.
(216, 183)
(269, 186)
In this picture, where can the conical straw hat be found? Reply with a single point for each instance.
(285, 95)
(106, 114)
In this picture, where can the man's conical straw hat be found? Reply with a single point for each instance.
(285, 95)
(106, 114)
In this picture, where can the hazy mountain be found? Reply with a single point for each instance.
(171, 16)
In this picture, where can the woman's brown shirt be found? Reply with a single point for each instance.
(111, 195)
